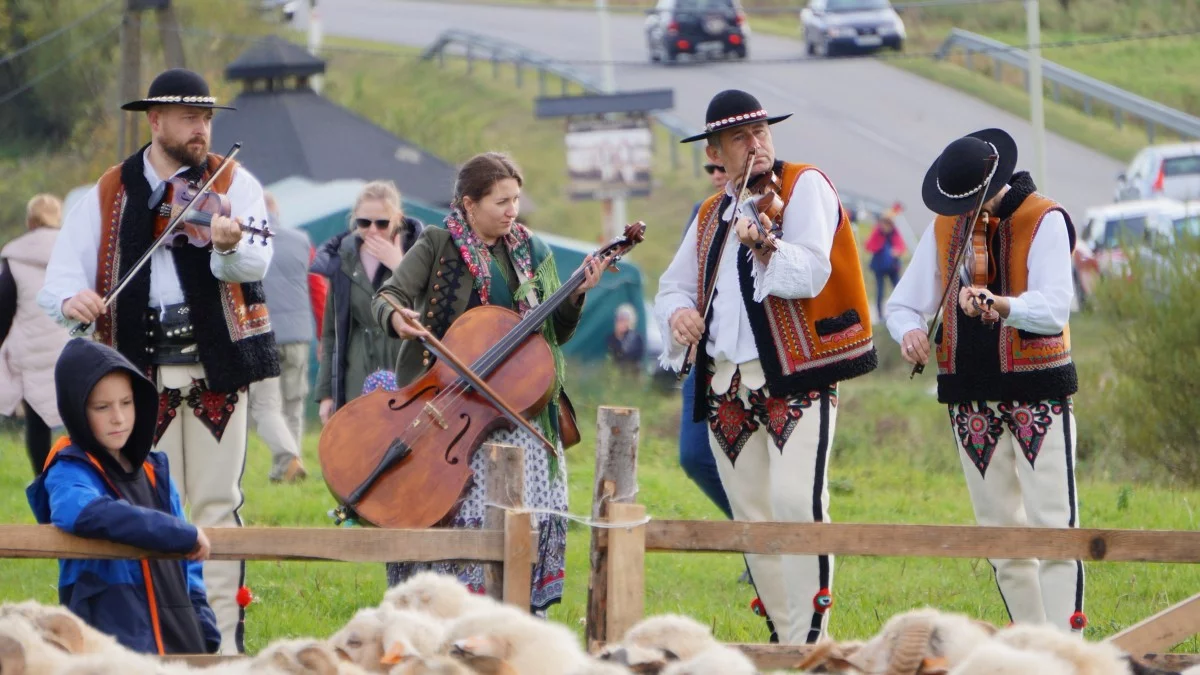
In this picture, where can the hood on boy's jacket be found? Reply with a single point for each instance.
(82, 364)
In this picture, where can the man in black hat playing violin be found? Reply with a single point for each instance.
(1003, 354)
(788, 320)
(193, 319)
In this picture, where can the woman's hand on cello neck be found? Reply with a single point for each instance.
(592, 269)
(407, 324)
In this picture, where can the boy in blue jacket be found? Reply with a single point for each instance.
(103, 482)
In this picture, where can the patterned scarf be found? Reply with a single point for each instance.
(519, 242)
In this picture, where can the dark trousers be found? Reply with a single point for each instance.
(695, 456)
(37, 439)
(880, 276)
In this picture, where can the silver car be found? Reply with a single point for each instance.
(1171, 171)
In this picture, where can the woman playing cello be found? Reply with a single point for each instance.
(483, 256)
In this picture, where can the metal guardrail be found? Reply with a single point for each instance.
(1123, 103)
(476, 46)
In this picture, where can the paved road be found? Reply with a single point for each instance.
(872, 127)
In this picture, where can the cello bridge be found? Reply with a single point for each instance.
(436, 416)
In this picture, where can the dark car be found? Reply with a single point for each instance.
(696, 27)
(839, 26)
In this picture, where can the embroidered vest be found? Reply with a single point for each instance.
(806, 343)
(1000, 363)
(230, 320)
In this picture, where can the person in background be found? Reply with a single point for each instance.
(357, 262)
(717, 176)
(885, 246)
(626, 345)
(31, 340)
(104, 482)
(277, 403)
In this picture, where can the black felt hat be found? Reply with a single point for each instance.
(733, 108)
(953, 182)
(177, 86)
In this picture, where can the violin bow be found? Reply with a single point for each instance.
(80, 328)
(690, 360)
(464, 371)
(958, 257)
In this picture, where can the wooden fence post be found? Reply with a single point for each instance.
(626, 570)
(616, 482)
(504, 473)
(1162, 631)
(518, 559)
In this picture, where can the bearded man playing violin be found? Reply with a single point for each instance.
(1003, 354)
(193, 319)
(788, 321)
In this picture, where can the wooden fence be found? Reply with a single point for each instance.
(616, 587)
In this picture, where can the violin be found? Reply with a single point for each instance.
(975, 270)
(402, 459)
(172, 196)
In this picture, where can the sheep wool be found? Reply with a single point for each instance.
(530, 645)
(680, 635)
(409, 633)
(437, 594)
(719, 660)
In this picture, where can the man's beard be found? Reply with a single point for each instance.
(182, 153)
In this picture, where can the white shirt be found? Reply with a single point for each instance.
(799, 268)
(1043, 308)
(72, 266)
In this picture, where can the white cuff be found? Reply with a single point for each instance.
(673, 354)
(785, 275)
(1018, 311)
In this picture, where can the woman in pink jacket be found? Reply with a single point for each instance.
(31, 340)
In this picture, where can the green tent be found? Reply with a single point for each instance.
(323, 210)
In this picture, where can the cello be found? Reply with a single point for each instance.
(402, 459)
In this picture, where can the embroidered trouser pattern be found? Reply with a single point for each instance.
(203, 434)
(772, 454)
(1019, 463)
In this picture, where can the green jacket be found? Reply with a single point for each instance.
(434, 280)
(363, 347)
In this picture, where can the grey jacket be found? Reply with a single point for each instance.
(286, 287)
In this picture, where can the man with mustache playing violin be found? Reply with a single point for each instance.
(193, 320)
(789, 319)
(1003, 355)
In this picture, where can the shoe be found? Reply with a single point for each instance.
(294, 473)
(745, 578)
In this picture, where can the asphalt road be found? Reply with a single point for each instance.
(871, 127)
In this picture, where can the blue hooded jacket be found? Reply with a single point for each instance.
(150, 606)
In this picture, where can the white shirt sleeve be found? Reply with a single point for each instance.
(915, 299)
(800, 265)
(1045, 306)
(677, 288)
(72, 266)
(250, 261)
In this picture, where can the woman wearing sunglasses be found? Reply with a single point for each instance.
(357, 262)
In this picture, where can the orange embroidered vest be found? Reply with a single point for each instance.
(981, 363)
(806, 343)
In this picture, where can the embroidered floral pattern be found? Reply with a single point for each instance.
(780, 414)
(730, 420)
(978, 432)
(478, 258)
(168, 405)
(212, 408)
(1028, 423)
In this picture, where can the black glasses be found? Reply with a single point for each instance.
(382, 223)
(713, 167)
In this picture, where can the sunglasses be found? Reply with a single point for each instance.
(366, 222)
(711, 169)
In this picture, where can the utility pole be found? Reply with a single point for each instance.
(1033, 28)
(614, 207)
(314, 41)
(131, 61)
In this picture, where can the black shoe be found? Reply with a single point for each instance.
(745, 578)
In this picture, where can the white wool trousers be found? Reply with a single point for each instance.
(1019, 463)
(772, 455)
(277, 407)
(208, 475)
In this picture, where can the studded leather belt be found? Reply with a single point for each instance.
(170, 337)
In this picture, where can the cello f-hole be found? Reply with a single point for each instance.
(454, 460)
(397, 408)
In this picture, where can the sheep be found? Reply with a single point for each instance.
(921, 640)
(599, 667)
(531, 646)
(1087, 658)
(301, 656)
(637, 659)
(409, 633)
(24, 652)
(440, 595)
(830, 656)
(433, 665)
(719, 660)
(997, 658)
(360, 641)
(677, 635)
(62, 628)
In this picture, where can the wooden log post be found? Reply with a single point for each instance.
(615, 482)
(626, 570)
(518, 559)
(1162, 631)
(504, 476)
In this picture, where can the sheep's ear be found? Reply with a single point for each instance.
(317, 660)
(669, 655)
(61, 631)
(12, 656)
